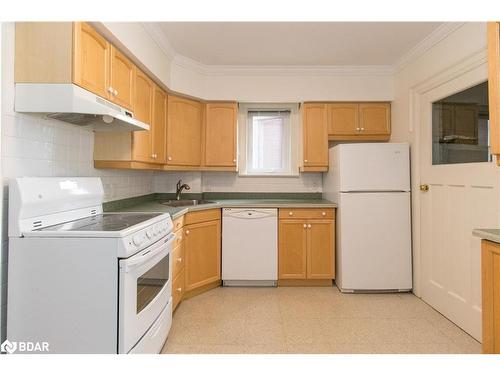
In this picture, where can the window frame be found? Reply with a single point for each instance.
(291, 132)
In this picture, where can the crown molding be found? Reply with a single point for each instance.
(427, 43)
(283, 70)
(156, 33)
(158, 36)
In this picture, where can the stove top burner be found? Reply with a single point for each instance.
(110, 222)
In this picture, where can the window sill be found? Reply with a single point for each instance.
(268, 175)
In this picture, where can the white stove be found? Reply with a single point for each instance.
(83, 280)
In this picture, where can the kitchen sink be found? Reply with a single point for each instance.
(186, 202)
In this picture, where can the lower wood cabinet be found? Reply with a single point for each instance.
(490, 269)
(178, 261)
(202, 249)
(306, 244)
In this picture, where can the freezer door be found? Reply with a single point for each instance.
(374, 241)
(373, 167)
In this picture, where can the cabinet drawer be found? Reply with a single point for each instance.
(178, 223)
(177, 289)
(201, 216)
(306, 213)
(177, 260)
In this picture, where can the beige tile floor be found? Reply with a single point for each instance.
(311, 320)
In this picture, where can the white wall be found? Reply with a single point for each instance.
(133, 38)
(287, 85)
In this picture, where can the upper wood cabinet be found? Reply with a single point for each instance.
(65, 52)
(142, 149)
(91, 59)
(122, 79)
(183, 132)
(343, 118)
(220, 134)
(375, 119)
(359, 121)
(314, 137)
(494, 86)
(159, 142)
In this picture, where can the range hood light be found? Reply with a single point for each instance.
(107, 119)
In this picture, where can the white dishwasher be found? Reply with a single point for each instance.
(249, 246)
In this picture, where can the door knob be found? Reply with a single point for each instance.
(424, 187)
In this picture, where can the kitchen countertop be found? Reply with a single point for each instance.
(156, 206)
(488, 234)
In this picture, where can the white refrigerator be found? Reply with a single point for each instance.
(371, 184)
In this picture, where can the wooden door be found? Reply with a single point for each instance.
(183, 132)
(202, 249)
(490, 265)
(315, 135)
(343, 119)
(220, 134)
(320, 254)
(91, 60)
(292, 249)
(122, 80)
(141, 145)
(374, 118)
(159, 132)
(494, 85)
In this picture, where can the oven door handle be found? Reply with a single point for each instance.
(145, 256)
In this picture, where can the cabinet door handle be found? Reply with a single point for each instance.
(358, 129)
(305, 225)
(187, 232)
(305, 160)
(234, 160)
(362, 129)
(179, 260)
(309, 226)
(169, 158)
(290, 213)
(110, 89)
(323, 213)
(115, 92)
(179, 290)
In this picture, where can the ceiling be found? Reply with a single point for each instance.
(295, 43)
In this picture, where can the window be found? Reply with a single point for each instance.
(268, 137)
(268, 133)
(460, 127)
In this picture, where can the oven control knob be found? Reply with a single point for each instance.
(149, 233)
(137, 240)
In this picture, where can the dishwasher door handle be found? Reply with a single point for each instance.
(250, 214)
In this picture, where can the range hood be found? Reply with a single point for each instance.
(71, 103)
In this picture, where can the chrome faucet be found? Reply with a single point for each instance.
(180, 188)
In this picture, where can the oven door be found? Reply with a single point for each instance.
(145, 289)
